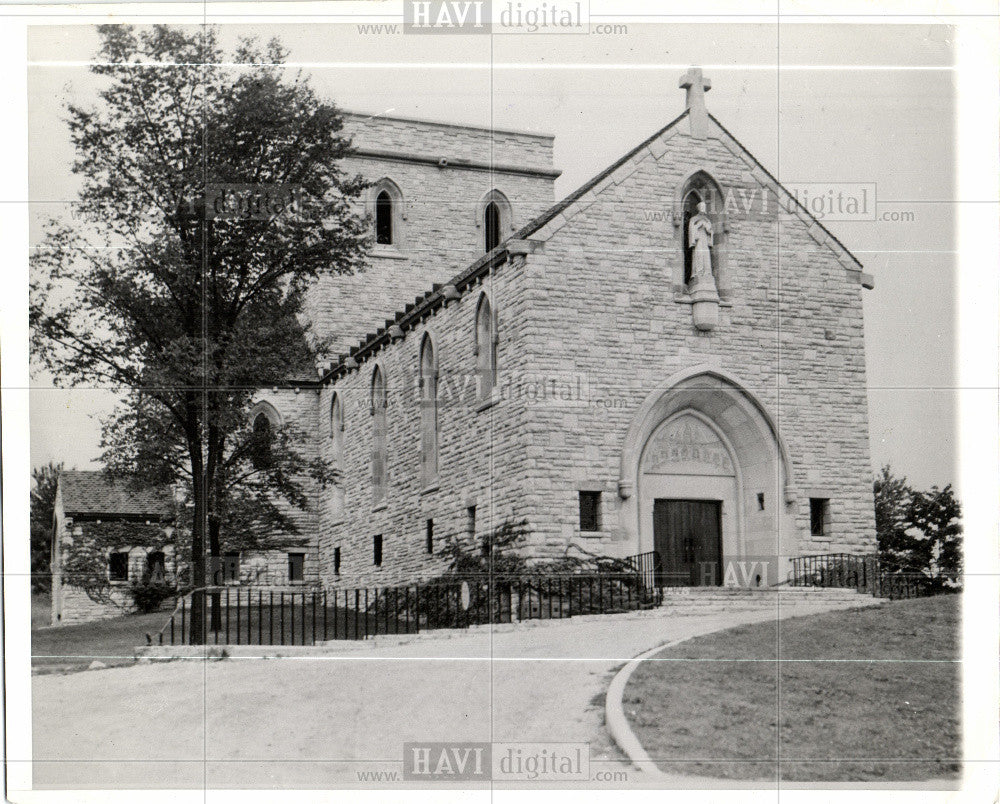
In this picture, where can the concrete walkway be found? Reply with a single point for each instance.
(325, 721)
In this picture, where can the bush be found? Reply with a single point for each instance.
(148, 595)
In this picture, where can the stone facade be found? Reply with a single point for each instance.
(442, 173)
(598, 349)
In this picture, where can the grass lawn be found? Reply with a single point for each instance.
(73, 647)
(41, 609)
(865, 694)
(113, 641)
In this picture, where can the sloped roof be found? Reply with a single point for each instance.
(438, 294)
(98, 493)
(537, 223)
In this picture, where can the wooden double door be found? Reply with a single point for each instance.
(687, 538)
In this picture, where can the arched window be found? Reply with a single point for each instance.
(495, 218)
(383, 219)
(428, 413)
(337, 454)
(261, 442)
(379, 402)
(337, 432)
(384, 202)
(486, 348)
(491, 225)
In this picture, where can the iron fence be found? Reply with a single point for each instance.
(865, 573)
(244, 616)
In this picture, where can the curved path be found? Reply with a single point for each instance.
(325, 721)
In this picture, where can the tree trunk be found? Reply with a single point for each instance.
(198, 555)
(213, 547)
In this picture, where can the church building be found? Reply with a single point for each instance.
(669, 359)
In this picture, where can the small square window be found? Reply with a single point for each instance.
(377, 550)
(296, 566)
(590, 510)
(430, 536)
(819, 516)
(118, 567)
(336, 561)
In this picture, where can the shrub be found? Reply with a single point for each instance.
(148, 595)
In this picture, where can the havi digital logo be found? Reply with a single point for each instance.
(447, 16)
(445, 762)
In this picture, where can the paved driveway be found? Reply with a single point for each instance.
(328, 721)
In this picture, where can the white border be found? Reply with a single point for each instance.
(978, 110)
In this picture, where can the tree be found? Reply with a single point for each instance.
(892, 498)
(935, 515)
(186, 312)
(43, 502)
(919, 532)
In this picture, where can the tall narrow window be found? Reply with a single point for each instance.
(430, 536)
(383, 219)
(296, 567)
(590, 510)
(337, 455)
(379, 436)
(337, 432)
(261, 441)
(470, 523)
(428, 413)
(377, 550)
(491, 225)
(486, 349)
(336, 561)
(819, 516)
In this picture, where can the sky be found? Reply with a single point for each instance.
(814, 103)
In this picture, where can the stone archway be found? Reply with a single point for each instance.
(704, 437)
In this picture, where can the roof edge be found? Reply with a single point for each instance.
(446, 124)
(798, 203)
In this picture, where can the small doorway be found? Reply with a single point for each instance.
(687, 538)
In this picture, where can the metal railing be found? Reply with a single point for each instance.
(865, 573)
(264, 617)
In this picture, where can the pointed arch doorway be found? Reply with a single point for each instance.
(704, 480)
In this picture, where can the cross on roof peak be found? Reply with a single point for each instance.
(695, 86)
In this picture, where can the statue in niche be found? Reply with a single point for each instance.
(700, 240)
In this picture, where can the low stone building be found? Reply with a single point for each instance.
(109, 535)
(105, 535)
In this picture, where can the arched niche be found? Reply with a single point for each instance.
(700, 185)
